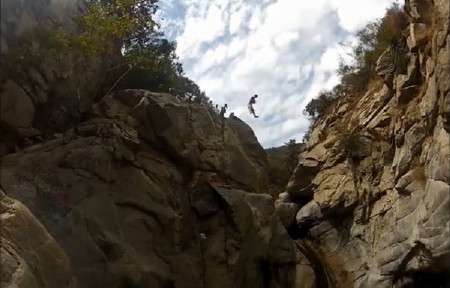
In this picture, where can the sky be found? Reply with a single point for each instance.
(286, 51)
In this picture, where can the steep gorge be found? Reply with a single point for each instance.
(370, 192)
(140, 189)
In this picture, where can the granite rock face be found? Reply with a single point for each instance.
(151, 192)
(379, 214)
(135, 189)
(47, 90)
(29, 255)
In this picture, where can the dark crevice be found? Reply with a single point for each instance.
(297, 232)
(415, 251)
(140, 208)
(425, 279)
(421, 278)
(266, 273)
(323, 279)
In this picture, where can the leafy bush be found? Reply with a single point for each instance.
(103, 27)
(372, 41)
(281, 164)
(308, 132)
(125, 29)
(317, 106)
(350, 141)
(293, 148)
(159, 71)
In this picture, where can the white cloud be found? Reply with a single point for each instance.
(211, 58)
(353, 14)
(236, 46)
(283, 50)
(211, 84)
(288, 15)
(203, 24)
(329, 60)
(236, 17)
(256, 19)
(284, 38)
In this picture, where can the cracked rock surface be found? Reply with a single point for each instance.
(380, 217)
(140, 197)
(29, 255)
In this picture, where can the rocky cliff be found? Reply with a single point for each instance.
(139, 189)
(149, 192)
(135, 189)
(370, 194)
(43, 90)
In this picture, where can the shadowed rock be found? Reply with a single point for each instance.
(154, 196)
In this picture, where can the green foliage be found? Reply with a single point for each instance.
(156, 68)
(292, 153)
(399, 59)
(350, 141)
(308, 132)
(53, 39)
(113, 28)
(317, 106)
(372, 41)
(281, 164)
(110, 24)
(187, 89)
(102, 28)
(151, 59)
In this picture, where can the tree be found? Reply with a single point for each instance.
(124, 32)
(149, 60)
(372, 40)
(317, 107)
(102, 29)
(159, 71)
(115, 24)
(293, 149)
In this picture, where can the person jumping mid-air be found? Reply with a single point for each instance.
(250, 105)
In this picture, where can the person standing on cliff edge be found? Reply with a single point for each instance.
(250, 105)
(222, 116)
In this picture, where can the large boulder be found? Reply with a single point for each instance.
(29, 255)
(309, 215)
(286, 209)
(193, 135)
(17, 109)
(386, 68)
(150, 195)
